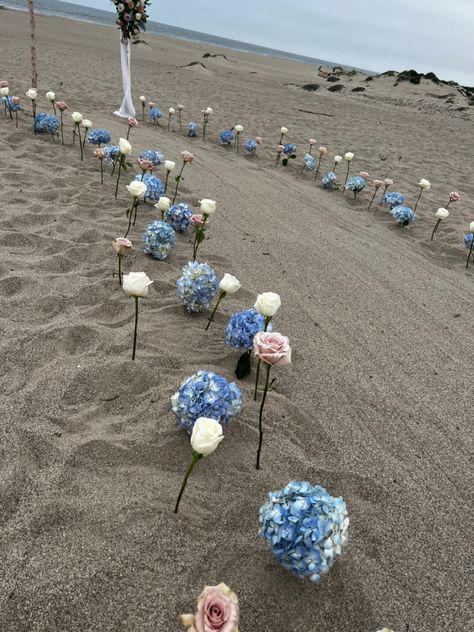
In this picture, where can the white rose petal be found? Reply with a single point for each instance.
(442, 213)
(284, 130)
(50, 96)
(206, 435)
(424, 184)
(337, 159)
(4, 92)
(268, 303)
(125, 147)
(142, 99)
(471, 227)
(163, 204)
(76, 117)
(348, 156)
(136, 284)
(229, 284)
(208, 207)
(137, 189)
(171, 110)
(169, 165)
(32, 94)
(86, 123)
(239, 128)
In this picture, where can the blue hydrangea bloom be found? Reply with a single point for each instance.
(356, 184)
(289, 148)
(226, 137)
(206, 394)
(159, 238)
(47, 123)
(309, 162)
(250, 145)
(193, 129)
(179, 216)
(154, 187)
(403, 215)
(99, 136)
(197, 286)
(328, 179)
(154, 114)
(8, 101)
(242, 328)
(468, 237)
(394, 198)
(305, 528)
(111, 153)
(156, 157)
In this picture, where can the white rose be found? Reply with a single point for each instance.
(163, 204)
(4, 92)
(424, 184)
(284, 130)
(229, 284)
(208, 207)
(206, 435)
(142, 99)
(348, 156)
(120, 7)
(76, 117)
(471, 227)
(125, 147)
(337, 159)
(137, 189)
(32, 94)
(209, 111)
(86, 123)
(138, 16)
(50, 96)
(442, 213)
(171, 110)
(169, 165)
(238, 129)
(136, 284)
(267, 303)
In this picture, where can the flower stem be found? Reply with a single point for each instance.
(166, 181)
(418, 199)
(128, 131)
(136, 202)
(80, 142)
(347, 176)
(84, 140)
(120, 159)
(196, 457)
(318, 168)
(260, 425)
(129, 215)
(204, 125)
(120, 269)
(470, 251)
(373, 198)
(180, 125)
(257, 372)
(54, 108)
(169, 121)
(136, 328)
(143, 111)
(447, 205)
(197, 241)
(16, 118)
(435, 229)
(34, 115)
(221, 296)
(277, 160)
(62, 127)
(178, 178)
(101, 171)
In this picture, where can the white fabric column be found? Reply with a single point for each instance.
(126, 109)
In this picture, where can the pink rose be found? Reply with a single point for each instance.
(187, 156)
(259, 140)
(99, 153)
(280, 148)
(312, 141)
(454, 197)
(61, 105)
(180, 107)
(388, 182)
(132, 121)
(217, 611)
(378, 183)
(15, 100)
(272, 348)
(364, 174)
(3, 84)
(151, 104)
(145, 165)
(121, 245)
(197, 220)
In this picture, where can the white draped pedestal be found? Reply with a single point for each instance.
(126, 109)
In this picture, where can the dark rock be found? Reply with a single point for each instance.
(337, 88)
(388, 73)
(432, 77)
(206, 55)
(360, 89)
(333, 79)
(369, 78)
(311, 87)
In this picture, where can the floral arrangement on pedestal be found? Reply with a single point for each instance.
(131, 17)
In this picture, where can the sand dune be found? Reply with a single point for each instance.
(375, 407)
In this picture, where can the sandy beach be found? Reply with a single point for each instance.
(376, 405)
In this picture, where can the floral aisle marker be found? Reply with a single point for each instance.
(62, 106)
(322, 152)
(267, 304)
(441, 213)
(240, 331)
(388, 182)
(205, 437)
(137, 190)
(197, 286)
(4, 96)
(348, 157)
(207, 208)
(179, 216)
(135, 284)
(273, 349)
(99, 137)
(132, 122)
(453, 197)
(86, 124)
(469, 242)
(169, 167)
(121, 246)
(125, 149)
(377, 185)
(158, 239)
(171, 113)
(425, 185)
(283, 133)
(238, 131)
(357, 183)
(180, 108)
(228, 285)
(217, 611)
(206, 113)
(187, 157)
(163, 205)
(51, 96)
(305, 528)
(142, 99)
(47, 124)
(77, 120)
(32, 94)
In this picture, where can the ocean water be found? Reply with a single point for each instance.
(106, 18)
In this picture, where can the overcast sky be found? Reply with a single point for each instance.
(428, 35)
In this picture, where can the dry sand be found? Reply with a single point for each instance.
(377, 405)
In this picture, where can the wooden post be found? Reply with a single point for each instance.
(34, 74)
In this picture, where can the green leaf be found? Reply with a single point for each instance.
(243, 365)
(284, 162)
(200, 237)
(177, 178)
(293, 156)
